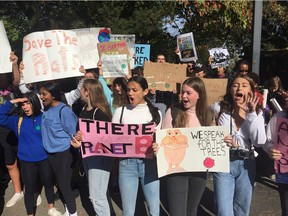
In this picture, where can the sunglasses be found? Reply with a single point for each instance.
(244, 71)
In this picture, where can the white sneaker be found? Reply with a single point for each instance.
(39, 200)
(66, 214)
(16, 197)
(54, 212)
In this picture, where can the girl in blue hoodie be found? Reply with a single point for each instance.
(33, 157)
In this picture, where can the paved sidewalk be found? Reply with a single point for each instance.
(265, 202)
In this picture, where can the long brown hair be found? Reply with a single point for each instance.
(96, 96)
(275, 81)
(203, 113)
(119, 99)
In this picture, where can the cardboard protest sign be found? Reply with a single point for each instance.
(114, 65)
(113, 48)
(116, 140)
(88, 38)
(215, 88)
(186, 45)
(142, 54)
(164, 76)
(281, 143)
(220, 57)
(50, 55)
(192, 150)
(5, 64)
(130, 43)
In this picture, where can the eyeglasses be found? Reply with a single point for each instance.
(244, 71)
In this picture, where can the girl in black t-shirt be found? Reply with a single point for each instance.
(97, 168)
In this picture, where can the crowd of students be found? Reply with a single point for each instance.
(41, 119)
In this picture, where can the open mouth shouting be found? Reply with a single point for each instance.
(239, 96)
(185, 102)
(131, 100)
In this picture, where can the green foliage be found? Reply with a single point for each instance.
(142, 18)
(213, 23)
(275, 25)
(217, 24)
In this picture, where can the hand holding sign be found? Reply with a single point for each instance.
(274, 154)
(13, 58)
(76, 140)
(75, 143)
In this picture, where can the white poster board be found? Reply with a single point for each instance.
(130, 43)
(192, 150)
(88, 38)
(114, 65)
(50, 55)
(220, 57)
(186, 45)
(114, 48)
(5, 64)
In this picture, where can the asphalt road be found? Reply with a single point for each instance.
(265, 201)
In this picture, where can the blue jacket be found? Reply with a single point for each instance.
(30, 145)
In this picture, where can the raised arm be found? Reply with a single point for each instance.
(15, 69)
(22, 85)
(107, 91)
(6, 119)
(74, 95)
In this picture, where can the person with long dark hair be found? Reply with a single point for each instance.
(242, 113)
(135, 170)
(58, 126)
(35, 168)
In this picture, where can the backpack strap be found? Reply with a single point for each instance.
(94, 113)
(19, 124)
(61, 110)
(121, 116)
